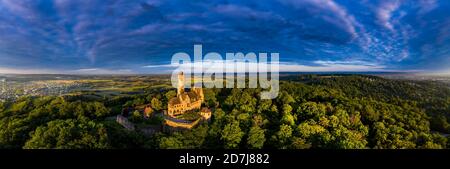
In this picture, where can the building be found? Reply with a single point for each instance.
(146, 110)
(185, 100)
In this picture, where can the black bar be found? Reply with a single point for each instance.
(171, 158)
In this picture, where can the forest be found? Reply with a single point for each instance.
(311, 111)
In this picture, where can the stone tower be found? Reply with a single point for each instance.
(200, 94)
(180, 89)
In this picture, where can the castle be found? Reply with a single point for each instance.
(185, 101)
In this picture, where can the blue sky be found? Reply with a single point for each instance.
(124, 36)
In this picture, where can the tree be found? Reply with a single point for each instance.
(256, 138)
(259, 120)
(13, 132)
(247, 102)
(311, 110)
(138, 101)
(232, 135)
(170, 143)
(283, 136)
(156, 104)
(136, 117)
(287, 108)
(69, 134)
(2, 106)
(264, 105)
(100, 109)
(299, 143)
(170, 94)
(210, 97)
(306, 130)
(187, 140)
(347, 139)
(285, 98)
(123, 138)
(288, 119)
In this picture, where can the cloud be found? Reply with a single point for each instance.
(426, 6)
(20, 8)
(336, 66)
(87, 71)
(385, 12)
(340, 15)
(100, 71)
(156, 28)
(240, 66)
(215, 66)
(4, 70)
(238, 11)
(160, 66)
(347, 62)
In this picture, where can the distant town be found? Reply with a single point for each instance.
(13, 90)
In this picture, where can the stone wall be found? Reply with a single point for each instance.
(185, 125)
(124, 122)
(177, 109)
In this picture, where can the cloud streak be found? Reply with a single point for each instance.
(241, 67)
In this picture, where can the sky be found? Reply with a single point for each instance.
(140, 36)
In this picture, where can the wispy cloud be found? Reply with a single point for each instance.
(343, 18)
(89, 71)
(238, 11)
(4, 70)
(241, 66)
(385, 12)
(427, 6)
(100, 71)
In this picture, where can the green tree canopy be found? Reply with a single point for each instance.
(232, 135)
(69, 134)
(256, 137)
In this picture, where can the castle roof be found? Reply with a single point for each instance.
(174, 101)
(191, 96)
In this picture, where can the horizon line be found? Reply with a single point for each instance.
(285, 72)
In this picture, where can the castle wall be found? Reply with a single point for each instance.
(124, 122)
(182, 125)
(183, 107)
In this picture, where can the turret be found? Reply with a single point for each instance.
(199, 92)
(180, 89)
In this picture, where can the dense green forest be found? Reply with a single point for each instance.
(311, 111)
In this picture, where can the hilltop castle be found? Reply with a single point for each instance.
(185, 101)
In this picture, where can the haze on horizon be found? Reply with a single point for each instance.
(140, 37)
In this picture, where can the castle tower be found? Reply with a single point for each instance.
(180, 89)
(200, 93)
